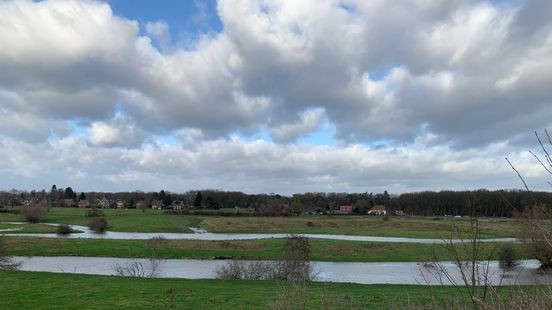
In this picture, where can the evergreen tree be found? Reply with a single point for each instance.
(198, 199)
(69, 193)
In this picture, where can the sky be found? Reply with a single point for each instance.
(273, 96)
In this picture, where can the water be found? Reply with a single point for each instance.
(363, 273)
(201, 234)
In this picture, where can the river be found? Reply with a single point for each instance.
(364, 273)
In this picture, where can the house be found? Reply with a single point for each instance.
(399, 212)
(29, 202)
(104, 203)
(178, 205)
(141, 204)
(44, 203)
(377, 210)
(156, 204)
(121, 204)
(345, 209)
(83, 203)
(67, 203)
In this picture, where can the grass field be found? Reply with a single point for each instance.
(36, 290)
(156, 221)
(321, 250)
(118, 220)
(416, 227)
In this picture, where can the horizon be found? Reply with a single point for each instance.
(273, 96)
(391, 194)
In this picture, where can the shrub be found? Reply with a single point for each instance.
(310, 224)
(64, 229)
(98, 224)
(94, 212)
(294, 266)
(32, 214)
(507, 258)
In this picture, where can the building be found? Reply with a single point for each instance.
(399, 212)
(141, 204)
(178, 205)
(83, 203)
(345, 210)
(377, 210)
(156, 204)
(29, 202)
(104, 203)
(68, 203)
(121, 204)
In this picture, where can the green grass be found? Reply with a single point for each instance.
(28, 228)
(321, 250)
(157, 221)
(415, 227)
(37, 290)
(118, 220)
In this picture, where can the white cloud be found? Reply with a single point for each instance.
(308, 121)
(260, 166)
(423, 78)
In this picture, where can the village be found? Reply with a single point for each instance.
(176, 205)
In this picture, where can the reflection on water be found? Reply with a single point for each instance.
(364, 273)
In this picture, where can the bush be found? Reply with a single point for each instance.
(94, 212)
(64, 229)
(507, 258)
(32, 214)
(98, 224)
(294, 266)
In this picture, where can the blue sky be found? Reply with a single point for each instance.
(185, 17)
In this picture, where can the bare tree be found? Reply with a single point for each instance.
(536, 220)
(294, 265)
(470, 273)
(33, 214)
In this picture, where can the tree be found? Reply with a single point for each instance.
(167, 200)
(296, 207)
(69, 193)
(198, 200)
(82, 196)
(537, 219)
(361, 206)
(210, 203)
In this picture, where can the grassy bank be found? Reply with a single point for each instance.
(118, 220)
(34, 290)
(28, 228)
(157, 221)
(321, 250)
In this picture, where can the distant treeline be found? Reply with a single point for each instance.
(501, 203)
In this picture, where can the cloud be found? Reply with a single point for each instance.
(308, 121)
(421, 78)
(260, 167)
(159, 31)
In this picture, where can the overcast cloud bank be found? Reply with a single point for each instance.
(419, 95)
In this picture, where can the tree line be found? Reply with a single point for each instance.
(498, 203)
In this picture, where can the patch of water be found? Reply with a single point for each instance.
(201, 234)
(363, 273)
